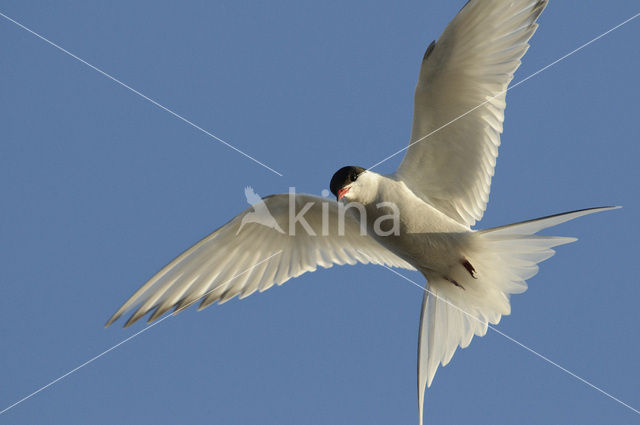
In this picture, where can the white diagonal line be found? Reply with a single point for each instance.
(272, 170)
(531, 350)
(577, 49)
(114, 79)
(91, 360)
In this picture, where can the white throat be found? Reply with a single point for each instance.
(365, 190)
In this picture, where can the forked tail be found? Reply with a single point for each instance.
(502, 259)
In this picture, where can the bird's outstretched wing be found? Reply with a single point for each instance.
(229, 262)
(459, 104)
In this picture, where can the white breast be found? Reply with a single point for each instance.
(426, 238)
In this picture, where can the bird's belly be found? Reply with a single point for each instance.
(428, 251)
(423, 238)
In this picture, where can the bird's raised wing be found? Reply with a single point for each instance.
(459, 104)
(249, 254)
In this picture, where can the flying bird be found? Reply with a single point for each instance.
(429, 205)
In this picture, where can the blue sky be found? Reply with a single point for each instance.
(100, 188)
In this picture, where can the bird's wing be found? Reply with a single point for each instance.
(228, 263)
(459, 104)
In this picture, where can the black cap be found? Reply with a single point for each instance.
(343, 177)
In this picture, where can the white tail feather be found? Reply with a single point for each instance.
(503, 258)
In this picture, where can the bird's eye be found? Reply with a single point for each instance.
(353, 177)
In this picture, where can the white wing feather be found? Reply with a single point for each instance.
(241, 258)
(459, 105)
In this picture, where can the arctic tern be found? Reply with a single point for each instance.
(439, 191)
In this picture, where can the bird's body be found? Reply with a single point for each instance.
(419, 217)
(426, 238)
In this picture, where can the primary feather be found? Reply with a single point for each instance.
(459, 105)
(232, 261)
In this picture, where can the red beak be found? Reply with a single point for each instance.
(342, 192)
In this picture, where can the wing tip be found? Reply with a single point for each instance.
(430, 48)
(130, 322)
(114, 317)
(110, 321)
(137, 315)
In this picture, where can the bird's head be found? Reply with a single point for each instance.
(354, 184)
